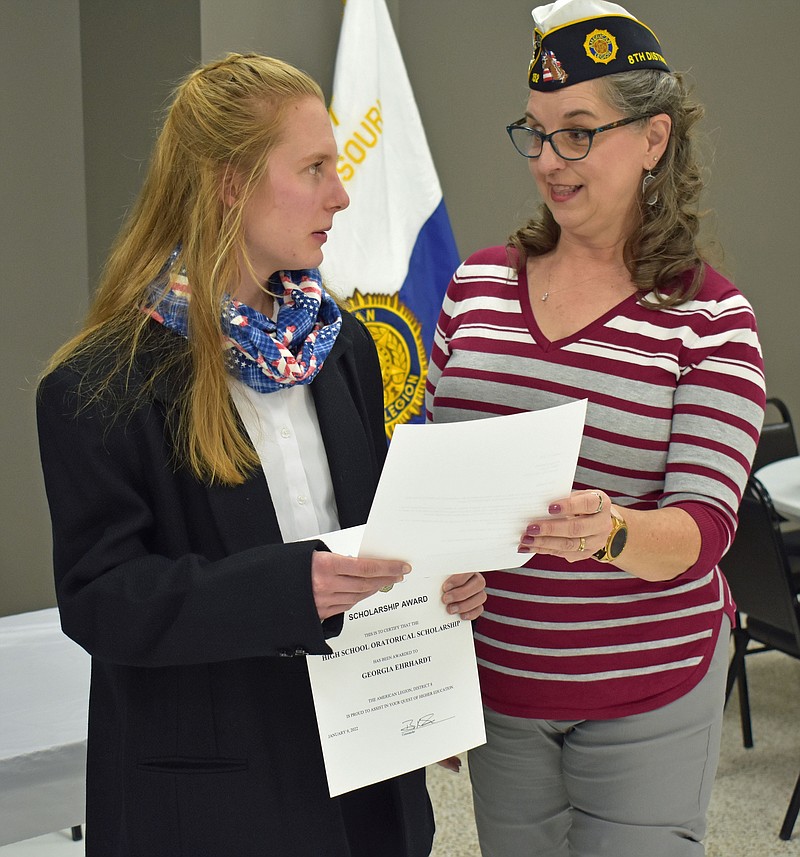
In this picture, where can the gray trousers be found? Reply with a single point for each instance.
(635, 786)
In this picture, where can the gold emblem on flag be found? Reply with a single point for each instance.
(404, 366)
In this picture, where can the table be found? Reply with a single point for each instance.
(44, 695)
(782, 480)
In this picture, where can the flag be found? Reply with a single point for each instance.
(391, 253)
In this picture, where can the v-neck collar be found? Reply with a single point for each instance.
(551, 345)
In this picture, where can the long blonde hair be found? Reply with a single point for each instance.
(225, 118)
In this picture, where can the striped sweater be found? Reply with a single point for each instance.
(675, 405)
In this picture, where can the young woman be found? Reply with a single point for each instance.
(216, 409)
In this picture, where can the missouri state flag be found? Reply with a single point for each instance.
(391, 253)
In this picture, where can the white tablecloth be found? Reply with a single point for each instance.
(44, 695)
(782, 480)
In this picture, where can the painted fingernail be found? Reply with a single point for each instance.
(533, 530)
(554, 509)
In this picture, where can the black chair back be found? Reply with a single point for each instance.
(777, 439)
(760, 574)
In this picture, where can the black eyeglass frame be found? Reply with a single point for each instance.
(548, 138)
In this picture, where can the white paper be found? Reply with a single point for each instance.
(401, 689)
(457, 497)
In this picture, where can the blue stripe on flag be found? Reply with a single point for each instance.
(433, 262)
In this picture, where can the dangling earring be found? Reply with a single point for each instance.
(648, 179)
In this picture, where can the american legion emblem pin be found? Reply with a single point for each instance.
(600, 46)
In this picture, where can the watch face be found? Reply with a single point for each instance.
(618, 542)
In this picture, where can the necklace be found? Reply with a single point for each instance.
(546, 294)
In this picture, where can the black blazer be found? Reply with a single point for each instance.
(202, 733)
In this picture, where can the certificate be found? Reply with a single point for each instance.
(457, 497)
(400, 690)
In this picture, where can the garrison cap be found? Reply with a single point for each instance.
(577, 40)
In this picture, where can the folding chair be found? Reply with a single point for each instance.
(761, 575)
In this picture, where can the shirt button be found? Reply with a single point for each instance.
(302, 499)
(285, 432)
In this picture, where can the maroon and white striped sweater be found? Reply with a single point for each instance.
(675, 406)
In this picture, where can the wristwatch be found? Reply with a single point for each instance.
(616, 539)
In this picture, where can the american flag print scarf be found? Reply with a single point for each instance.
(266, 354)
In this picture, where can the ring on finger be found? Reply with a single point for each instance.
(582, 544)
(600, 503)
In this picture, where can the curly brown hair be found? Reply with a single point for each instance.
(664, 245)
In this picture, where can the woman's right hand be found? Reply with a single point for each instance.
(339, 582)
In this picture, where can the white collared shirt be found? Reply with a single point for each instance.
(284, 429)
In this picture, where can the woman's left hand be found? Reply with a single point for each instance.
(464, 594)
(577, 527)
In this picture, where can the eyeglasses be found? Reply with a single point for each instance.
(571, 144)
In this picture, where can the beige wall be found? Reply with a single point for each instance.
(84, 81)
(42, 263)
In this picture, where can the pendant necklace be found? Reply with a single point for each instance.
(546, 294)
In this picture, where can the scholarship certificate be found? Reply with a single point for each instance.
(400, 690)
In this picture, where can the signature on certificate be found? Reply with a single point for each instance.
(409, 727)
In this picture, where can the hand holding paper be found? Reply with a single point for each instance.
(457, 497)
(464, 595)
(400, 690)
(339, 582)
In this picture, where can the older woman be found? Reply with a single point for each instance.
(216, 409)
(603, 658)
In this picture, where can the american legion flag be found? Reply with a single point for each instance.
(391, 253)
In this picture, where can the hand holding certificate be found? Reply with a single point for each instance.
(457, 496)
(400, 689)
